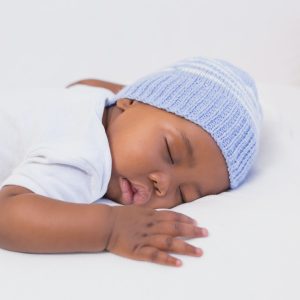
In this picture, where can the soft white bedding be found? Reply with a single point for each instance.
(252, 251)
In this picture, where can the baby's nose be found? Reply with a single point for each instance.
(161, 182)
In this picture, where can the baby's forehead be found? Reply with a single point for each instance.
(162, 118)
(150, 109)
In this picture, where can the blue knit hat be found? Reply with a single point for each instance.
(214, 94)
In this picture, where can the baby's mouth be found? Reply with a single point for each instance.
(133, 193)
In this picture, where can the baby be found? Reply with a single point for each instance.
(172, 137)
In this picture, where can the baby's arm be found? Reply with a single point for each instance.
(36, 224)
(114, 87)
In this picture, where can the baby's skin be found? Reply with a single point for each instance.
(33, 223)
(165, 161)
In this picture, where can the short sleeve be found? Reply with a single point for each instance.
(62, 178)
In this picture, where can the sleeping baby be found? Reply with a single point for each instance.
(187, 131)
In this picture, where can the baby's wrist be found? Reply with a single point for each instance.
(111, 217)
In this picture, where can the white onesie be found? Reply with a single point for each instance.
(53, 142)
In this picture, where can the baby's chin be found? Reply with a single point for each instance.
(112, 197)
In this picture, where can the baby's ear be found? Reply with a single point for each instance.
(125, 103)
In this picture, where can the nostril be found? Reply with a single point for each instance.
(158, 190)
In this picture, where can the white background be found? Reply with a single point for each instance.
(253, 249)
(49, 43)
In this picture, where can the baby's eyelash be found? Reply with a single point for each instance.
(169, 151)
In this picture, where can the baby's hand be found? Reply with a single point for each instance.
(146, 234)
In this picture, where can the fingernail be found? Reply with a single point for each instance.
(204, 231)
(198, 251)
(178, 263)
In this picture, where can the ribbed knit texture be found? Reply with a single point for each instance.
(216, 95)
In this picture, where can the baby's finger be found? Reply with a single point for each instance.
(167, 215)
(155, 255)
(168, 243)
(179, 229)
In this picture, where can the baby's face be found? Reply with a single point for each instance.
(150, 149)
